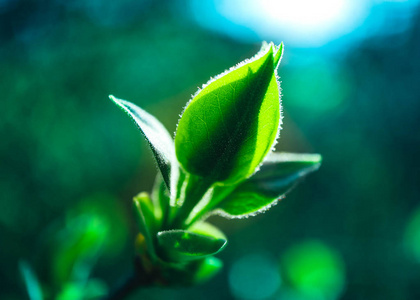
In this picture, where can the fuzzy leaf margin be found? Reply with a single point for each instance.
(277, 176)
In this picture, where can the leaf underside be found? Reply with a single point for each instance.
(182, 245)
(277, 176)
(159, 139)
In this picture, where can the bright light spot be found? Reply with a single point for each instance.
(303, 13)
(300, 23)
(304, 22)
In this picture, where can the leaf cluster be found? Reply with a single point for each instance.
(220, 162)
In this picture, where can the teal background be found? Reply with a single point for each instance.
(71, 161)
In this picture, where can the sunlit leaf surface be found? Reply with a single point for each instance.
(231, 124)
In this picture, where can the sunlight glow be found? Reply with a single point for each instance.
(303, 22)
(304, 13)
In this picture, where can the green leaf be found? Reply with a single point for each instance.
(232, 123)
(143, 202)
(145, 217)
(182, 245)
(159, 139)
(277, 176)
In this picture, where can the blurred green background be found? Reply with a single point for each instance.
(71, 161)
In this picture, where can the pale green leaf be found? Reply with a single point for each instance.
(277, 176)
(207, 229)
(232, 123)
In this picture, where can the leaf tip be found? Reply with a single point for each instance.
(116, 101)
(112, 98)
(315, 159)
(278, 54)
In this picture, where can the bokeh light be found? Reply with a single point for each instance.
(303, 22)
(314, 270)
(326, 87)
(254, 276)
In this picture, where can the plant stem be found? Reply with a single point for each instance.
(194, 192)
(217, 197)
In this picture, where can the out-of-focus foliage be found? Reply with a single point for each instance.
(254, 276)
(354, 100)
(314, 271)
(71, 248)
(412, 236)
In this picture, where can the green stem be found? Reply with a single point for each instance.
(218, 196)
(194, 192)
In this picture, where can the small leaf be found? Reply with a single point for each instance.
(143, 202)
(277, 176)
(231, 124)
(207, 229)
(159, 139)
(181, 245)
(144, 217)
